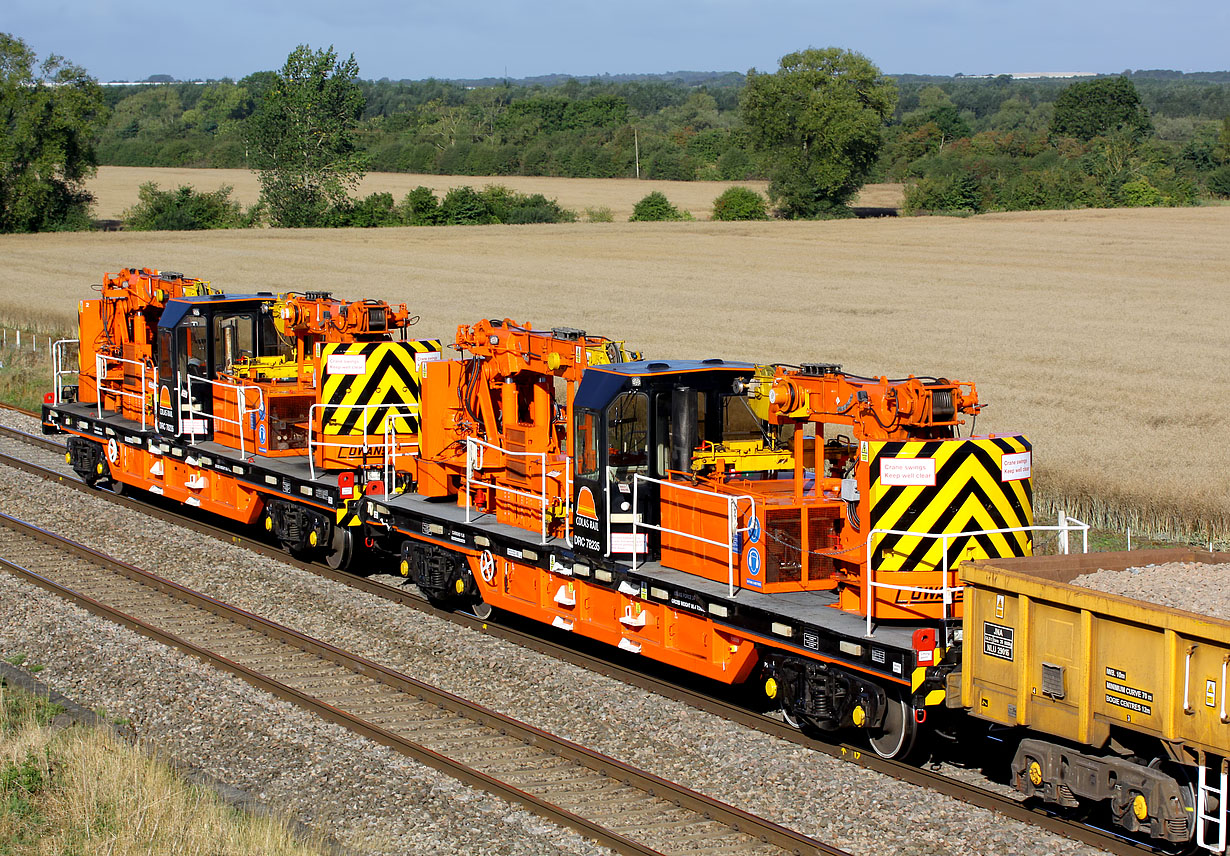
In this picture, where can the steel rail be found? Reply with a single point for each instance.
(759, 829)
(1107, 840)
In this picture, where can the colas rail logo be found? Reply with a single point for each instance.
(586, 509)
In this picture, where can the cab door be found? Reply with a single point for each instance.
(612, 449)
(193, 393)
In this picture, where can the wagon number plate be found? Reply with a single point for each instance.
(997, 640)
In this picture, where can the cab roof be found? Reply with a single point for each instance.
(600, 384)
(177, 308)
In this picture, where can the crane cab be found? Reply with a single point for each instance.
(637, 426)
(206, 347)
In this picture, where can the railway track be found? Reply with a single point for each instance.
(626, 809)
(659, 681)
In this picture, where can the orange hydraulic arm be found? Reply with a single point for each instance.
(506, 394)
(306, 320)
(876, 408)
(128, 312)
(318, 316)
(121, 324)
(507, 350)
(509, 347)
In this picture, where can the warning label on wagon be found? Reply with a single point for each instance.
(907, 472)
(997, 640)
(1128, 704)
(346, 364)
(1016, 466)
(1131, 692)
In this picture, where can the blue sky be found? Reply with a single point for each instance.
(132, 39)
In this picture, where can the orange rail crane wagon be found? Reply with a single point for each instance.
(713, 515)
(798, 528)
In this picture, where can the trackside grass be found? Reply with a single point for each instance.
(79, 790)
(25, 367)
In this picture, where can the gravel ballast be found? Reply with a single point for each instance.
(1197, 587)
(369, 798)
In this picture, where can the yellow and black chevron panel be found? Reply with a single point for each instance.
(386, 374)
(348, 514)
(950, 487)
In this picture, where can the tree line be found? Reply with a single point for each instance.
(817, 127)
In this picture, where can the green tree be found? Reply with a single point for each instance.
(1219, 182)
(818, 120)
(302, 137)
(1099, 108)
(655, 206)
(740, 203)
(420, 207)
(49, 114)
(465, 206)
(183, 209)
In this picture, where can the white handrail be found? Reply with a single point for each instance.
(396, 411)
(240, 405)
(1065, 525)
(474, 460)
(100, 370)
(732, 523)
(58, 372)
(568, 500)
(390, 460)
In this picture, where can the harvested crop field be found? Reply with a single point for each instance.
(115, 188)
(1103, 335)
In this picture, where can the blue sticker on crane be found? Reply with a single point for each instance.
(260, 434)
(753, 532)
(753, 562)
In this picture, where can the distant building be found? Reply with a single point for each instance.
(1030, 75)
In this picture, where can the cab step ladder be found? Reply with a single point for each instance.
(1216, 822)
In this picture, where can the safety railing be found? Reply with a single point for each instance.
(474, 461)
(58, 352)
(394, 448)
(732, 522)
(1066, 524)
(102, 363)
(388, 450)
(197, 417)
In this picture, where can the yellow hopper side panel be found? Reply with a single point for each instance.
(1072, 662)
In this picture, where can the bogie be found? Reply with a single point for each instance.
(442, 575)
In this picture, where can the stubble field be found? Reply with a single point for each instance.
(115, 189)
(1103, 335)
